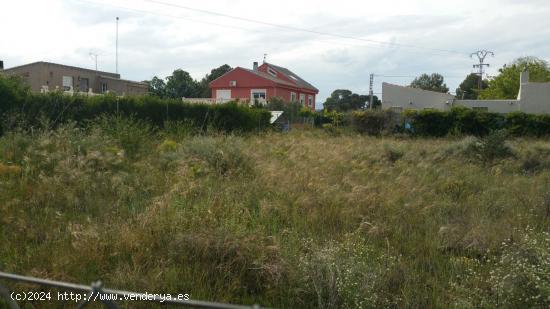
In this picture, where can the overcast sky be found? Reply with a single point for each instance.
(391, 37)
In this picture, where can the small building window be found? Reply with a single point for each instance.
(481, 108)
(67, 83)
(293, 97)
(258, 95)
(271, 71)
(104, 87)
(310, 100)
(302, 98)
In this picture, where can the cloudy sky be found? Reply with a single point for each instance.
(345, 42)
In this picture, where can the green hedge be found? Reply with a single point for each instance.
(457, 121)
(59, 108)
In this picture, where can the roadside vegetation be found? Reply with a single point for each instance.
(314, 218)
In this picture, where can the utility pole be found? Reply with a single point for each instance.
(116, 56)
(481, 54)
(371, 92)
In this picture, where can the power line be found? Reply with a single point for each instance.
(162, 14)
(390, 44)
(369, 41)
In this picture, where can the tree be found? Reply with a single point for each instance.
(434, 82)
(344, 100)
(205, 91)
(181, 85)
(157, 87)
(506, 84)
(468, 89)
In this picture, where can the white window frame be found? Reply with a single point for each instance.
(293, 97)
(221, 98)
(104, 87)
(258, 91)
(309, 100)
(302, 98)
(67, 82)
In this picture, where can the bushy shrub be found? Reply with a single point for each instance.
(350, 274)
(518, 275)
(392, 154)
(490, 147)
(223, 156)
(375, 122)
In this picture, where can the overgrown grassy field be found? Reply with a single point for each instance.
(308, 219)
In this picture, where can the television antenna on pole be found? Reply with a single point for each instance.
(94, 57)
(116, 60)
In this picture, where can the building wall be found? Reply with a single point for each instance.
(495, 106)
(40, 74)
(535, 98)
(394, 96)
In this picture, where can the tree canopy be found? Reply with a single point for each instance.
(433, 82)
(344, 100)
(468, 89)
(205, 91)
(506, 84)
(157, 87)
(180, 84)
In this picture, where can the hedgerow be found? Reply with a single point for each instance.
(57, 108)
(457, 121)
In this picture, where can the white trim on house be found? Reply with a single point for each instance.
(261, 95)
(223, 94)
(293, 97)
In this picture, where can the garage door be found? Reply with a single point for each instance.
(223, 95)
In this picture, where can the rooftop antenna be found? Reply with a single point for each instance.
(481, 54)
(116, 57)
(94, 56)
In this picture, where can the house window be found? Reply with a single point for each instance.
(293, 97)
(271, 71)
(67, 83)
(302, 98)
(310, 100)
(104, 87)
(258, 95)
(481, 108)
(233, 83)
(84, 84)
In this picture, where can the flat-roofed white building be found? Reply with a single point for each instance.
(533, 98)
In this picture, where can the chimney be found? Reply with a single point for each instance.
(1, 65)
(524, 77)
(255, 66)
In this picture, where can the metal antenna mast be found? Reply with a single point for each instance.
(371, 92)
(116, 60)
(94, 56)
(481, 55)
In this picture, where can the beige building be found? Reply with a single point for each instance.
(46, 76)
(533, 98)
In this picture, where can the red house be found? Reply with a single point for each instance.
(262, 83)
